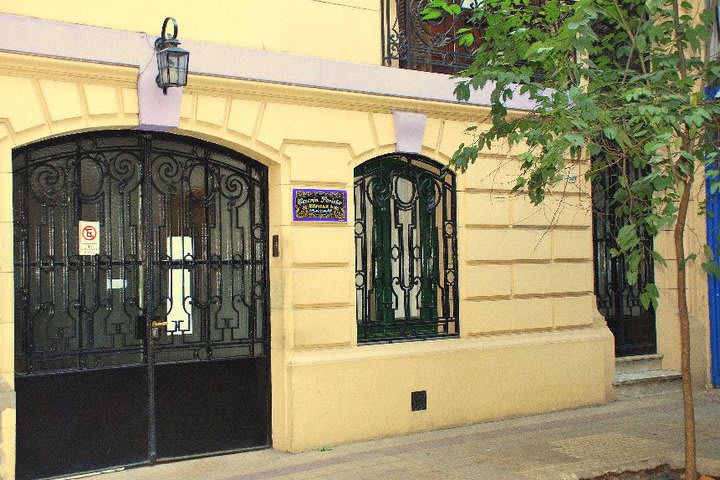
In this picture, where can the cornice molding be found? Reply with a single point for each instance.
(317, 97)
(18, 65)
(89, 44)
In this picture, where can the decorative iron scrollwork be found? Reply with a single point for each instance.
(84, 312)
(429, 45)
(405, 249)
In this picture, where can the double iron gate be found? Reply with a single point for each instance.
(155, 345)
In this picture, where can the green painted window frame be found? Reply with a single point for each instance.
(379, 321)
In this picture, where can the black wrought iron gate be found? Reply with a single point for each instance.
(632, 325)
(154, 343)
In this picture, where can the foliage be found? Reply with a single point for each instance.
(615, 79)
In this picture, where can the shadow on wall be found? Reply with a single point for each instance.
(7, 416)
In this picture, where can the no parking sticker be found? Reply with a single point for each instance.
(88, 238)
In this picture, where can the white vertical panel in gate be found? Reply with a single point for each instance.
(179, 308)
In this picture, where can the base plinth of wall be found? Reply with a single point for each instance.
(340, 396)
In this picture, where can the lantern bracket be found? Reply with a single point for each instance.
(166, 40)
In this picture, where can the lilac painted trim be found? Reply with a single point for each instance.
(294, 196)
(47, 38)
(36, 36)
(213, 59)
(409, 131)
(156, 111)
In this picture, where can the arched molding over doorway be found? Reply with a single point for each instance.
(42, 98)
(130, 180)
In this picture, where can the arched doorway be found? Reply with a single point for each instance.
(142, 301)
(632, 325)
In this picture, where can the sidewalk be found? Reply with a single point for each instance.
(629, 434)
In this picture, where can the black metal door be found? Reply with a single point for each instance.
(632, 325)
(156, 346)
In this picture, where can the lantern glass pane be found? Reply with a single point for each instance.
(183, 68)
(162, 59)
(165, 77)
(173, 69)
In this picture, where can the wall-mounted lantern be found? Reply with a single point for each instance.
(172, 60)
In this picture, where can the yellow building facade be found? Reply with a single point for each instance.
(307, 102)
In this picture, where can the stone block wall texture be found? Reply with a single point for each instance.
(527, 338)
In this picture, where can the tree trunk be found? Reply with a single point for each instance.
(689, 409)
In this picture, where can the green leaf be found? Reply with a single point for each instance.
(466, 40)
(431, 14)
(687, 259)
(650, 296)
(453, 9)
(610, 132)
(575, 139)
(520, 182)
(659, 258)
(462, 91)
(710, 265)
(627, 237)
(640, 43)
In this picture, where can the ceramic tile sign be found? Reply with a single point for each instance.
(88, 238)
(313, 205)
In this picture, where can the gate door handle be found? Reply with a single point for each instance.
(156, 324)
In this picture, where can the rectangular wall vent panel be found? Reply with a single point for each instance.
(418, 400)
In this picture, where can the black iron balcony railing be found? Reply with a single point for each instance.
(428, 45)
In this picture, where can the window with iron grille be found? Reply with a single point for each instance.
(428, 45)
(433, 45)
(405, 249)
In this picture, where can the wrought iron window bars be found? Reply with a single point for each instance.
(405, 249)
(428, 45)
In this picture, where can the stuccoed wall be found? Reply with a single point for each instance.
(353, 35)
(668, 322)
(528, 342)
(347, 30)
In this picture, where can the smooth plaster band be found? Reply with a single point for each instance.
(34, 36)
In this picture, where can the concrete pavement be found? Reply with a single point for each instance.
(572, 444)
